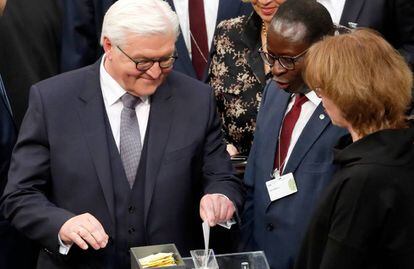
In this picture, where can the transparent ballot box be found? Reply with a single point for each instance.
(242, 260)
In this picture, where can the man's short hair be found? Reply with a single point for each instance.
(364, 76)
(311, 14)
(139, 17)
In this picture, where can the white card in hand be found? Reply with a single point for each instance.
(227, 224)
(206, 234)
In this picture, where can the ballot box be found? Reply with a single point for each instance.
(241, 260)
(138, 253)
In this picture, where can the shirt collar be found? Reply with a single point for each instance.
(313, 98)
(111, 89)
(311, 95)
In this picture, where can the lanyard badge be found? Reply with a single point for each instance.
(280, 186)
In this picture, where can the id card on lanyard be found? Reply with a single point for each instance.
(280, 186)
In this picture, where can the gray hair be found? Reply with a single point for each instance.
(140, 17)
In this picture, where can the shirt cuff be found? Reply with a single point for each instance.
(63, 248)
(227, 224)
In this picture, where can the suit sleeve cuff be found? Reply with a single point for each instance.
(227, 224)
(63, 248)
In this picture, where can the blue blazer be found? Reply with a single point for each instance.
(394, 19)
(61, 163)
(82, 29)
(277, 227)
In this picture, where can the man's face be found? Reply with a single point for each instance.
(286, 39)
(123, 69)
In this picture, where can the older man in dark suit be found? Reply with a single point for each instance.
(122, 153)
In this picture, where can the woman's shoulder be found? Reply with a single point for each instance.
(374, 181)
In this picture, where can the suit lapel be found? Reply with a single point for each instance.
(277, 101)
(313, 129)
(159, 123)
(184, 57)
(351, 11)
(92, 116)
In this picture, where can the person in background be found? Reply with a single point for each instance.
(7, 135)
(290, 162)
(238, 73)
(125, 152)
(394, 19)
(8, 128)
(365, 218)
(12, 243)
(30, 48)
(82, 22)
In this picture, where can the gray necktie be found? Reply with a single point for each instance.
(130, 137)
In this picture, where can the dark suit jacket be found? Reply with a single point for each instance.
(227, 9)
(29, 50)
(277, 227)
(7, 135)
(61, 165)
(82, 29)
(82, 23)
(12, 242)
(394, 19)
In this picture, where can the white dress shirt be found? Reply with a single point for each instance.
(308, 108)
(335, 8)
(210, 13)
(112, 93)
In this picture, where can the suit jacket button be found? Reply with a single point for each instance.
(269, 227)
(131, 209)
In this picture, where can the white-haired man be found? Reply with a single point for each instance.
(121, 153)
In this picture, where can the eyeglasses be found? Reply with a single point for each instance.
(286, 62)
(341, 29)
(144, 65)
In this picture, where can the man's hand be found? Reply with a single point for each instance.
(84, 230)
(215, 208)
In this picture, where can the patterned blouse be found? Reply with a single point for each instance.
(237, 76)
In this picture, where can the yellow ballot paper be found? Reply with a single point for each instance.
(158, 260)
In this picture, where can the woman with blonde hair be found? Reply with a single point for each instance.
(365, 219)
